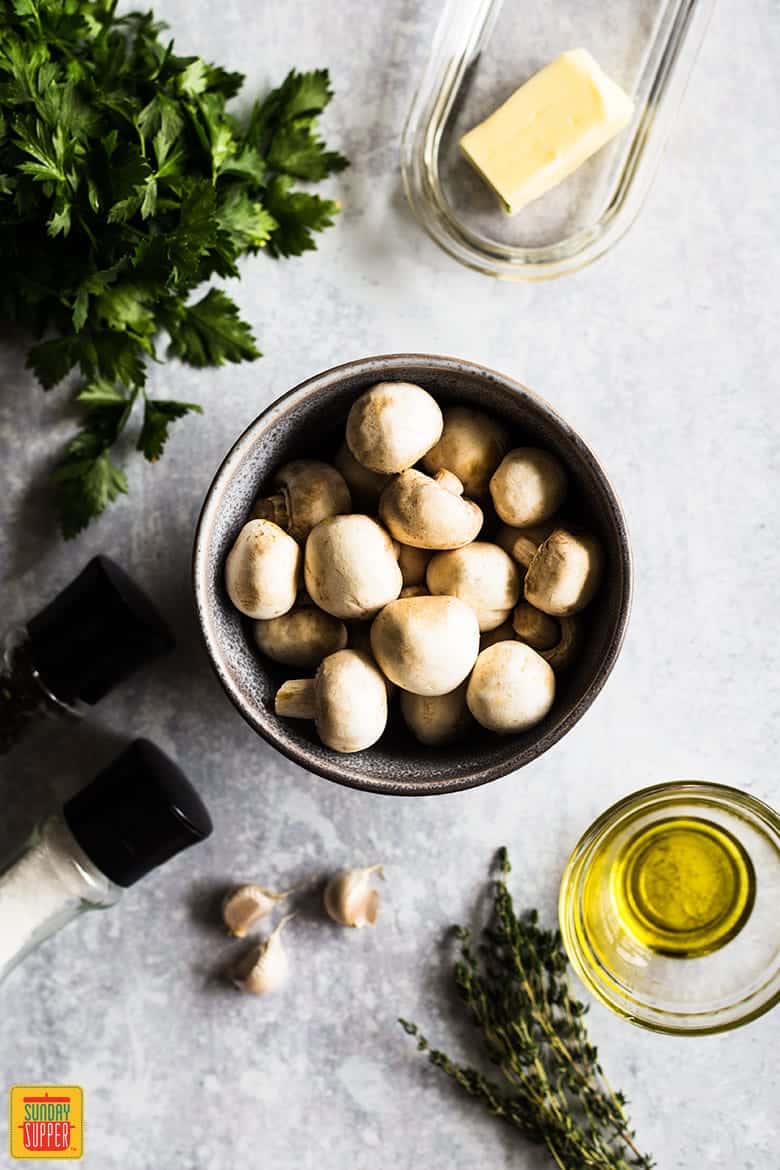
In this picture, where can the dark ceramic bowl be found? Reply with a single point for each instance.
(309, 421)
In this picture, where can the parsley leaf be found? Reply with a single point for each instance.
(211, 332)
(86, 486)
(301, 95)
(52, 360)
(246, 221)
(158, 416)
(101, 393)
(295, 150)
(298, 215)
(125, 186)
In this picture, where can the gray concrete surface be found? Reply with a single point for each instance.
(665, 355)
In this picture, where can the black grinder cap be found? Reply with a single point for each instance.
(136, 814)
(95, 633)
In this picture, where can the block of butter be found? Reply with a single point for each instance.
(547, 128)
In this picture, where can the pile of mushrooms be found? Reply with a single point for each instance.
(374, 573)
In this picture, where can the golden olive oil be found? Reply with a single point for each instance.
(683, 886)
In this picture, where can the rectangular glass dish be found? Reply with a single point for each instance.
(482, 52)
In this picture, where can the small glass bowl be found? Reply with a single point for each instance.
(482, 51)
(711, 992)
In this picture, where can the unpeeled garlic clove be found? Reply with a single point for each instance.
(265, 967)
(349, 898)
(247, 905)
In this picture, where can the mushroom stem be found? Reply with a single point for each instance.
(295, 699)
(561, 656)
(522, 543)
(273, 508)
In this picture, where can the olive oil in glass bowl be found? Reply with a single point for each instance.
(668, 908)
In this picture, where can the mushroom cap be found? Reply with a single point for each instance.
(413, 563)
(423, 513)
(426, 645)
(302, 637)
(350, 566)
(536, 629)
(392, 425)
(471, 446)
(565, 573)
(365, 486)
(528, 487)
(522, 543)
(511, 688)
(261, 571)
(351, 701)
(436, 719)
(311, 490)
(482, 575)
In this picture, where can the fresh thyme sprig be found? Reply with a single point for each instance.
(515, 987)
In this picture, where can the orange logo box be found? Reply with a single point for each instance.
(47, 1121)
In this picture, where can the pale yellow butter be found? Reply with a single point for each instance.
(547, 128)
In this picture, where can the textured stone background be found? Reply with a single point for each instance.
(665, 356)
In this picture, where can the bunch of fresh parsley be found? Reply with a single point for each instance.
(124, 185)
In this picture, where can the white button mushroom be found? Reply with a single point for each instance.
(436, 719)
(426, 645)
(413, 563)
(471, 446)
(557, 639)
(565, 651)
(482, 575)
(565, 573)
(347, 699)
(392, 425)
(511, 688)
(301, 638)
(538, 630)
(308, 491)
(365, 486)
(528, 487)
(350, 567)
(522, 543)
(427, 513)
(261, 571)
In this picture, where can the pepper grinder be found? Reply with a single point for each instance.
(94, 634)
(134, 816)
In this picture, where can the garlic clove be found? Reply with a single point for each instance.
(247, 905)
(266, 967)
(349, 898)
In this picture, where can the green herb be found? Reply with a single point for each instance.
(515, 987)
(125, 184)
